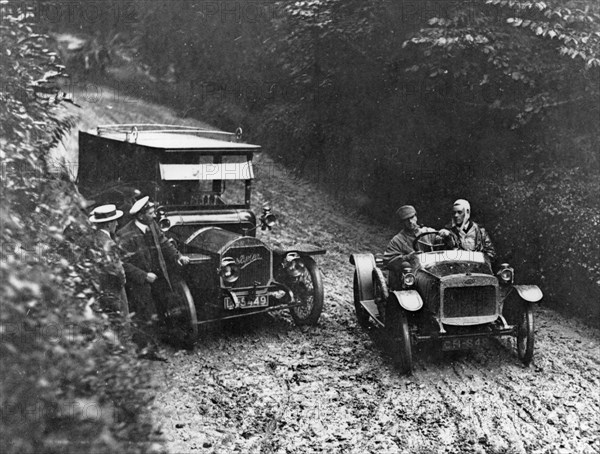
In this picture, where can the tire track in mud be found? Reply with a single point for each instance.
(264, 385)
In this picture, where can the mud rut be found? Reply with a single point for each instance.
(265, 385)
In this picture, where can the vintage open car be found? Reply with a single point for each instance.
(201, 182)
(449, 298)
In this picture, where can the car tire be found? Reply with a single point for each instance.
(307, 288)
(525, 334)
(361, 314)
(381, 292)
(399, 336)
(182, 317)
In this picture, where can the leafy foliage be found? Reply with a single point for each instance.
(554, 243)
(484, 44)
(65, 376)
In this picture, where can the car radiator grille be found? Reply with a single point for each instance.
(255, 265)
(469, 301)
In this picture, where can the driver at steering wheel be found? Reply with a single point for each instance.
(400, 249)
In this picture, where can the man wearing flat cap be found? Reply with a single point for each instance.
(112, 278)
(400, 249)
(149, 255)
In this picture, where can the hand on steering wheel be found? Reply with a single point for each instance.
(419, 245)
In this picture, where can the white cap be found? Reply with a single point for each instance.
(140, 205)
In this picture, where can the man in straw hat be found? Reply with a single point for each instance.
(112, 278)
(149, 255)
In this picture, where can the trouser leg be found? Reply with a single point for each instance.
(142, 304)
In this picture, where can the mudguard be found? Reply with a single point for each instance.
(364, 265)
(303, 249)
(530, 293)
(409, 299)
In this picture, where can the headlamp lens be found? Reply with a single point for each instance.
(506, 275)
(230, 272)
(293, 264)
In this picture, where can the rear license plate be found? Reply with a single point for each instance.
(244, 302)
(464, 344)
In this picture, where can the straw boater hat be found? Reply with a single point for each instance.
(105, 213)
(406, 212)
(141, 205)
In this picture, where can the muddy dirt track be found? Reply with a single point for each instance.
(263, 385)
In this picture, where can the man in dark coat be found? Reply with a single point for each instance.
(112, 277)
(466, 234)
(148, 256)
(400, 249)
(400, 252)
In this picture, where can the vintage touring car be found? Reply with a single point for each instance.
(447, 297)
(201, 182)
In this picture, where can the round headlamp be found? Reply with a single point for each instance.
(506, 274)
(164, 223)
(408, 279)
(270, 220)
(293, 264)
(229, 270)
(267, 219)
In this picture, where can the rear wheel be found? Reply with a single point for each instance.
(399, 336)
(525, 335)
(361, 314)
(308, 290)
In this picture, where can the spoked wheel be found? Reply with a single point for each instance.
(381, 292)
(181, 315)
(361, 314)
(525, 335)
(396, 325)
(308, 290)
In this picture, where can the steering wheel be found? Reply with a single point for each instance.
(418, 245)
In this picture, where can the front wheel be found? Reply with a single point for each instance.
(396, 325)
(182, 316)
(361, 314)
(308, 290)
(525, 335)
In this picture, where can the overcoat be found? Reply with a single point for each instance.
(140, 258)
(112, 277)
(475, 238)
(400, 247)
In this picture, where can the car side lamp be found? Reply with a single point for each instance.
(292, 263)
(506, 274)
(267, 219)
(161, 218)
(408, 277)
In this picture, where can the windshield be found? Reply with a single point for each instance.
(207, 181)
(203, 193)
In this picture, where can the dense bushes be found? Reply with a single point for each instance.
(547, 222)
(67, 384)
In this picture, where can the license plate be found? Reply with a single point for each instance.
(245, 302)
(464, 344)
